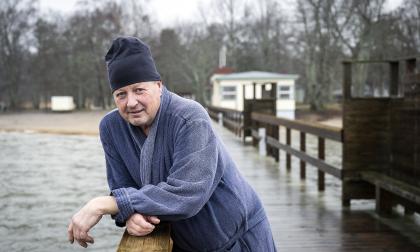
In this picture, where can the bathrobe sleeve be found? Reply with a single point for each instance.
(118, 176)
(192, 178)
(117, 173)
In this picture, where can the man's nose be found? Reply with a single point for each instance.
(132, 101)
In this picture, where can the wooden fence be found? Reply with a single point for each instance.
(382, 139)
(229, 118)
(272, 124)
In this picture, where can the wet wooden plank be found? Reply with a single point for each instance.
(158, 241)
(393, 185)
(303, 219)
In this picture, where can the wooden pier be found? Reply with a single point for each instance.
(370, 203)
(302, 217)
(305, 219)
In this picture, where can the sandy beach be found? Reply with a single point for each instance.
(335, 122)
(77, 123)
(74, 123)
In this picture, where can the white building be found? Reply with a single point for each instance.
(62, 103)
(228, 90)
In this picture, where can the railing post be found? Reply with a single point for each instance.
(276, 152)
(303, 149)
(241, 125)
(237, 128)
(321, 156)
(269, 132)
(410, 69)
(394, 78)
(278, 139)
(383, 201)
(288, 142)
(255, 126)
(347, 80)
(220, 116)
(262, 147)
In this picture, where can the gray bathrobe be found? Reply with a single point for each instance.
(182, 173)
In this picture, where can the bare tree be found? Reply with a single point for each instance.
(200, 58)
(318, 49)
(367, 31)
(64, 55)
(410, 27)
(270, 34)
(91, 33)
(16, 22)
(48, 62)
(231, 14)
(168, 56)
(137, 21)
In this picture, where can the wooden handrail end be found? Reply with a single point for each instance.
(158, 241)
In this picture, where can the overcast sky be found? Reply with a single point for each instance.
(167, 12)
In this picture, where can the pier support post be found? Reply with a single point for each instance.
(262, 145)
(289, 143)
(220, 116)
(303, 149)
(321, 156)
(383, 201)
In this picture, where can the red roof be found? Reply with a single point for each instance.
(224, 70)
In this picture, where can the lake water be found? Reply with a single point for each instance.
(44, 180)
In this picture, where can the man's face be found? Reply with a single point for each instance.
(139, 103)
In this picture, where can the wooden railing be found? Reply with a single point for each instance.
(382, 138)
(229, 118)
(158, 241)
(273, 124)
(380, 147)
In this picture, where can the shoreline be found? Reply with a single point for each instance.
(69, 123)
(50, 131)
(79, 122)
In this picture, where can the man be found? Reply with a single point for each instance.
(165, 163)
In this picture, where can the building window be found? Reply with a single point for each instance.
(284, 93)
(229, 92)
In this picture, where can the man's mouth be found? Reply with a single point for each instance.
(135, 112)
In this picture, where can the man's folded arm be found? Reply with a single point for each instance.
(192, 179)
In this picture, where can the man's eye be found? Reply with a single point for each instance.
(139, 90)
(120, 95)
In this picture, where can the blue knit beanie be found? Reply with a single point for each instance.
(130, 61)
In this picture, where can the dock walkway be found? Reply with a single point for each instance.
(304, 219)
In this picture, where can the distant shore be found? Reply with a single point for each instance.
(74, 123)
(331, 120)
(331, 115)
(83, 122)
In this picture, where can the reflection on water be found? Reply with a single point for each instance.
(44, 180)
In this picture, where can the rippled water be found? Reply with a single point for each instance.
(44, 180)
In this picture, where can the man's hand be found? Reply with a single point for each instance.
(141, 225)
(89, 216)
